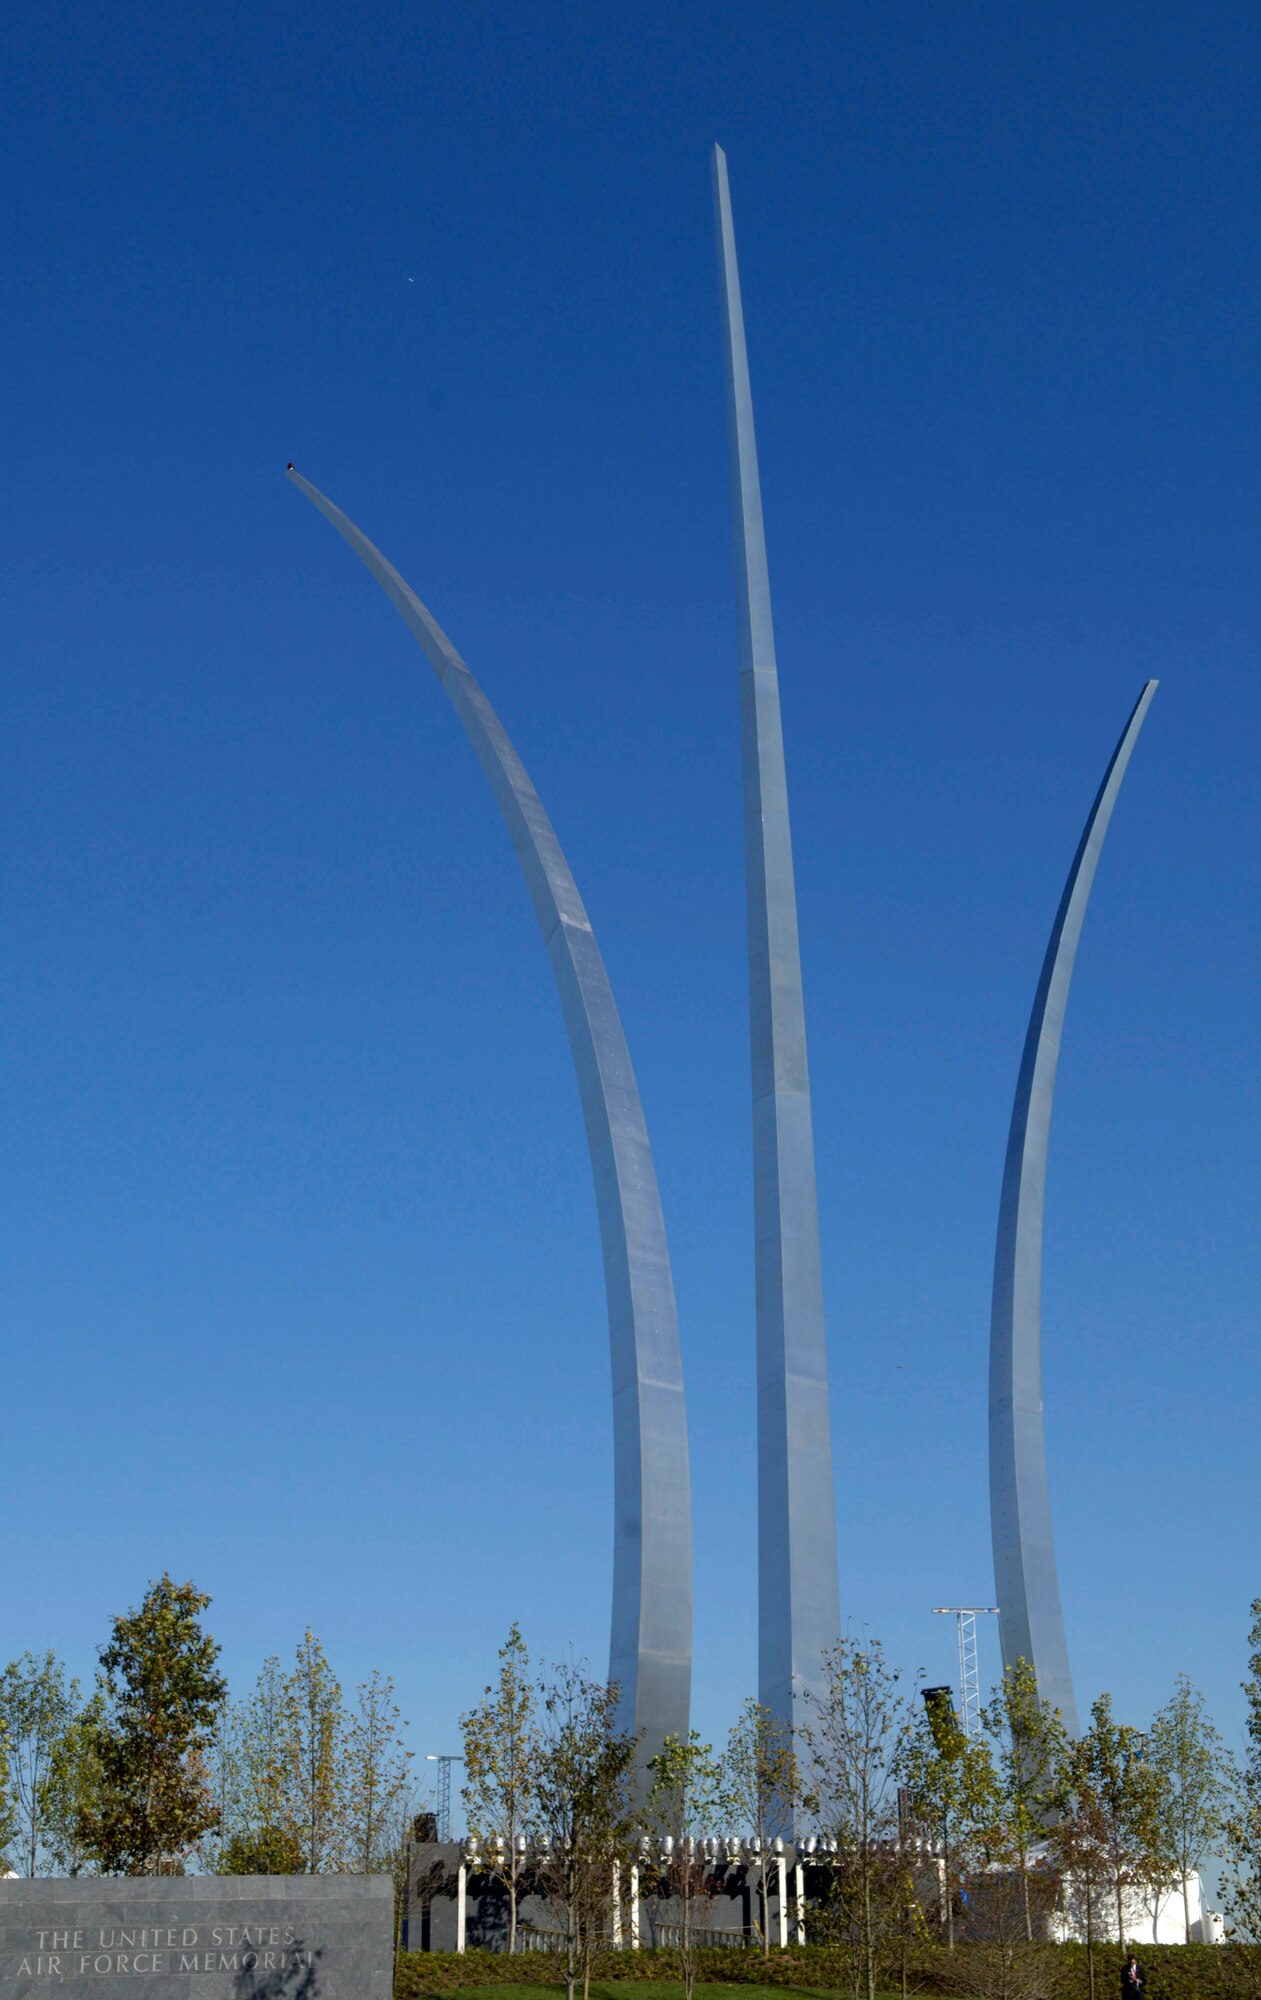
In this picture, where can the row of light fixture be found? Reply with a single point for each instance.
(732, 1847)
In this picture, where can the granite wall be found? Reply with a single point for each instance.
(206, 1937)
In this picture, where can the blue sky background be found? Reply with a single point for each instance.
(299, 1268)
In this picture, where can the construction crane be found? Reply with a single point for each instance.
(965, 1617)
(444, 1764)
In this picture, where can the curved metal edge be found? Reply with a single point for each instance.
(799, 1611)
(650, 1650)
(1026, 1581)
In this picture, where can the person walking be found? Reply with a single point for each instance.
(1133, 1979)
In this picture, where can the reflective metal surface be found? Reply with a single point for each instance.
(650, 1653)
(798, 1598)
(1026, 1583)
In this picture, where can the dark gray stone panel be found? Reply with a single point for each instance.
(247, 1937)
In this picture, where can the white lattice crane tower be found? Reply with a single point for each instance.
(443, 1814)
(965, 1617)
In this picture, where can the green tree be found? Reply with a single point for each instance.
(73, 1790)
(375, 1776)
(161, 1695)
(1241, 1878)
(264, 1813)
(38, 1704)
(250, 1778)
(762, 1784)
(583, 1811)
(270, 1852)
(955, 1790)
(1081, 1844)
(501, 1749)
(310, 1779)
(1115, 1781)
(223, 1785)
(9, 1826)
(1190, 1775)
(686, 1805)
(262, 1738)
(1030, 1751)
(858, 1724)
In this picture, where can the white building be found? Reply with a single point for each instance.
(1149, 1919)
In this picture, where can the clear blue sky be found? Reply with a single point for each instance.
(300, 1277)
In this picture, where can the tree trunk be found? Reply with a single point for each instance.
(1186, 1906)
(766, 1910)
(1024, 1890)
(512, 1904)
(1120, 1912)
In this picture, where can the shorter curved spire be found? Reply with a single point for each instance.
(1026, 1583)
(650, 1652)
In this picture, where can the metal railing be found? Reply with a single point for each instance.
(704, 1937)
(529, 1939)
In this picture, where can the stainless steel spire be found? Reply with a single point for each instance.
(650, 1653)
(798, 1597)
(1026, 1584)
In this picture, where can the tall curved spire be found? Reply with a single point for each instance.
(1031, 1621)
(650, 1652)
(798, 1596)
